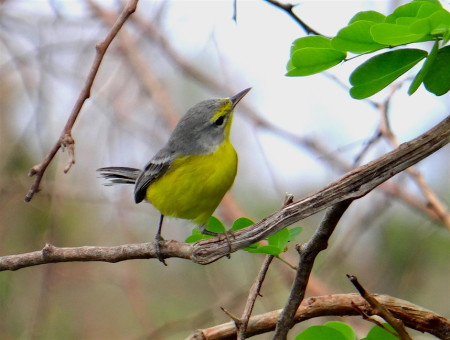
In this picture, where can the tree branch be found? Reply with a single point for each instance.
(308, 253)
(66, 139)
(413, 316)
(352, 185)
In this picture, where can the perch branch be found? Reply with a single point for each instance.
(352, 185)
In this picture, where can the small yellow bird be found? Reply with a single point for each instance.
(190, 175)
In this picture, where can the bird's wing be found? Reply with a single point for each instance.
(154, 169)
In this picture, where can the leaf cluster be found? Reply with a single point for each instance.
(371, 31)
(273, 245)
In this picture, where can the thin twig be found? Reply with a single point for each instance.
(254, 293)
(288, 8)
(308, 253)
(66, 140)
(373, 320)
(381, 310)
(256, 287)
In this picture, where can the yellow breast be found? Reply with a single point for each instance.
(194, 185)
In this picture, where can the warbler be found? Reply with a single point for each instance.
(189, 176)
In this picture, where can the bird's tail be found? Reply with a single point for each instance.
(119, 175)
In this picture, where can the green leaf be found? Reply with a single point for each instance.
(343, 328)
(378, 333)
(195, 236)
(356, 38)
(393, 34)
(320, 333)
(418, 79)
(279, 239)
(267, 249)
(311, 41)
(368, 16)
(436, 24)
(294, 232)
(437, 80)
(414, 9)
(311, 60)
(435, 2)
(241, 223)
(215, 225)
(381, 70)
(290, 66)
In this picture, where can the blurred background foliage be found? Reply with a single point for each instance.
(46, 49)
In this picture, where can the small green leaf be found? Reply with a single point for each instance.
(356, 38)
(437, 80)
(414, 9)
(343, 328)
(437, 23)
(310, 60)
(311, 41)
(378, 333)
(252, 246)
(368, 16)
(267, 249)
(279, 239)
(193, 238)
(418, 79)
(290, 66)
(241, 223)
(381, 70)
(393, 34)
(215, 225)
(320, 333)
(294, 232)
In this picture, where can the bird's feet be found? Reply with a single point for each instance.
(158, 241)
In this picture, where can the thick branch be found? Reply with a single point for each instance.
(412, 316)
(354, 184)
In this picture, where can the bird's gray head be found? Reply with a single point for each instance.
(204, 126)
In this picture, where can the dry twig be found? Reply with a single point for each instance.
(66, 140)
(380, 309)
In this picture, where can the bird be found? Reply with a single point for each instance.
(189, 176)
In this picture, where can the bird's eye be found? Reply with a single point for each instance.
(219, 121)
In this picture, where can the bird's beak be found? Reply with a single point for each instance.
(237, 97)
